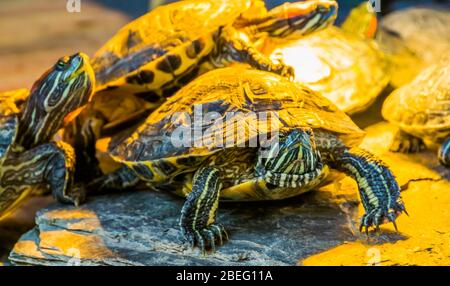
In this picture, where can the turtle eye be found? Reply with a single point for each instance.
(60, 65)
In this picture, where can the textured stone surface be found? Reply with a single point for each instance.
(141, 228)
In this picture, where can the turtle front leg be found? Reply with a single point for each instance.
(379, 191)
(444, 153)
(234, 46)
(406, 143)
(199, 212)
(52, 164)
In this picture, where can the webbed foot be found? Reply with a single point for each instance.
(381, 215)
(206, 238)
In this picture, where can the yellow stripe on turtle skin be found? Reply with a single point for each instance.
(206, 194)
(8, 210)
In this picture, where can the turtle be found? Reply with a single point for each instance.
(151, 57)
(29, 159)
(241, 134)
(421, 110)
(156, 54)
(344, 64)
(405, 37)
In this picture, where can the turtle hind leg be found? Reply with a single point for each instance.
(406, 143)
(234, 46)
(379, 191)
(444, 153)
(199, 212)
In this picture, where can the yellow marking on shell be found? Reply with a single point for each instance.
(161, 77)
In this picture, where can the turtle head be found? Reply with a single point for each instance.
(288, 156)
(55, 98)
(298, 18)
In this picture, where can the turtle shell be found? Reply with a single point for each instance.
(231, 107)
(10, 103)
(345, 68)
(406, 36)
(422, 108)
(160, 33)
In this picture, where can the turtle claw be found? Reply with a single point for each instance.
(379, 216)
(395, 226)
(207, 237)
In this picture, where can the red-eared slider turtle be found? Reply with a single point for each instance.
(28, 121)
(414, 38)
(344, 64)
(165, 49)
(156, 54)
(421, 110)
(210, 136)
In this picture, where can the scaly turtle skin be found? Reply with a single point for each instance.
(421, 110)
(190, 145)
(413, 39)
(163, 50)
(343, 64)
(28, 121)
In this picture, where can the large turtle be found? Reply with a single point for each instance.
(344, 64)
(413, 39)
(421, 109)
(161, 51)
(29, 120)
(209, 141)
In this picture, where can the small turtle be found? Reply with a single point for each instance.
(156, 54)
(421, 109)
(343, 64)
(230, 158)
(413, 39)
(29, 120)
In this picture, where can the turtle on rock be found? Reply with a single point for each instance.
(421, 109)
(344, 63)
(161, 51)
(240, 135)
(29, 159)
(156, 54)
